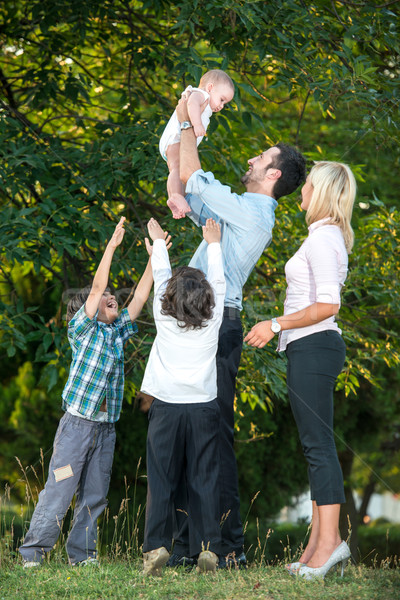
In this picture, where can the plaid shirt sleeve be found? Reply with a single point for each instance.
(125, 326)
(80, 325)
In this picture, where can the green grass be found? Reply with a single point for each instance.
(120, 573)
(124, 580)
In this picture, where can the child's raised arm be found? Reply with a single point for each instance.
(215, 268)
(196, 100)
(146, 281)
(141, 293)
(100, 280)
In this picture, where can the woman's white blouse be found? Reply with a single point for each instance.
(316, 273)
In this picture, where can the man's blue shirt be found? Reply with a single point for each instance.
(246, 224)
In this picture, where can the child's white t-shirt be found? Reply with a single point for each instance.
(182, 365)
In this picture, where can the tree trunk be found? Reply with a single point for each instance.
(368, 491)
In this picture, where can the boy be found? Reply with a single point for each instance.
(181, 375)
(84, 443)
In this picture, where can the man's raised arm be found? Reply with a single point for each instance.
(189, 156)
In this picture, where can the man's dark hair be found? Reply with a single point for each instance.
(189, 298)
(292, 164)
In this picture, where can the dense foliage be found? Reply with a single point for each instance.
(85, 91)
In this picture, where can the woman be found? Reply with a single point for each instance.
(316, 352)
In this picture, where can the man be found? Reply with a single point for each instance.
(246, 223)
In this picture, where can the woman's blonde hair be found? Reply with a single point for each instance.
(333, 197)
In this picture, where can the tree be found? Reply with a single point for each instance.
(85, 90)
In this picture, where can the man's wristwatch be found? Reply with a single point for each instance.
(186, 125)
(275, 327)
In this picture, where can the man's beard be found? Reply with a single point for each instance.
(254, 176)
(245, 178)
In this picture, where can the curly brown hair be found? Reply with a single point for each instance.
(189, 298)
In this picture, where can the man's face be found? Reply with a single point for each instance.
(259, 166)
(108, 308)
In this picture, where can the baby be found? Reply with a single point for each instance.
(215, 90)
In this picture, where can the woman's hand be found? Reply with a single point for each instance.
(259, 335)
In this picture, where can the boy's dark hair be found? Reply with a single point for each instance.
(77, 301)
(189, 298)
(292, 164)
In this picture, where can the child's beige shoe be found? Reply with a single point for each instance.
(31, 564)
(207, 562)
(154, 561)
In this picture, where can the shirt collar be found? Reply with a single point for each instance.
(316, 224)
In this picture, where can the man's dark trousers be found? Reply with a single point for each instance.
(228, 357)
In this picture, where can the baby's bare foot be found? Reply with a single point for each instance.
(178, 206)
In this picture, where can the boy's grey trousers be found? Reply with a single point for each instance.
(81, 464)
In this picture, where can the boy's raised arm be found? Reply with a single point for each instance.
(215, 270)
(146, 281)
(141, 293)
(100, 280)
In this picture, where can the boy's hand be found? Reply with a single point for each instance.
(118, 234)
(211, 231)
(156, 233)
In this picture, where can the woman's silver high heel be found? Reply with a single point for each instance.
(294, 567)
(341, 554)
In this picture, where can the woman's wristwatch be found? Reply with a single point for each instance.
(275, 327)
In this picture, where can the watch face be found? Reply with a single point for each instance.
(275, 327)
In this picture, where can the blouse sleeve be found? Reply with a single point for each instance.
(323, 254)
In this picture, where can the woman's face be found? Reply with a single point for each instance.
(306, 194)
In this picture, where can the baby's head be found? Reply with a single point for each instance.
(220, 87)
(188, 298)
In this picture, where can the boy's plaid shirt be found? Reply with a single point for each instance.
(97, 368)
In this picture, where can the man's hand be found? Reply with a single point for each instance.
(118, 234)
(156, 233)
(211, 231)
(182, 111)
(259, 335)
